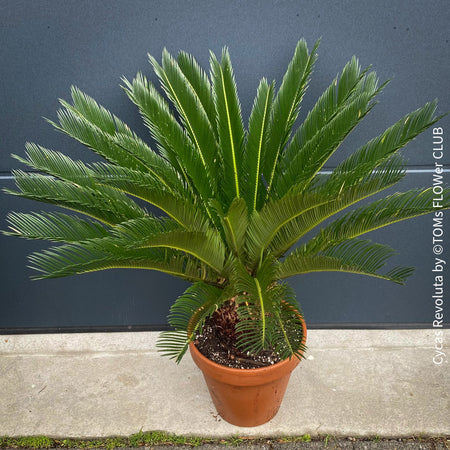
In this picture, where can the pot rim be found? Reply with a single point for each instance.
(281, 365)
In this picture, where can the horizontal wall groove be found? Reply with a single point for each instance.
(5, 176)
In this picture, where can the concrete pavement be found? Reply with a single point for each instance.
(353, 383)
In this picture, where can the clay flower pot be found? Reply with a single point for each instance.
(246, 397)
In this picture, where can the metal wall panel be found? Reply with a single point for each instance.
(47, 46)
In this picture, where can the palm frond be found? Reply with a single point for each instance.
(256, 305)
(55, 227)
(57, 164)
(192, 114)
(200, 85)
(386, 211)
(331, 120)
(136, 231)
(110, 207)
(257, 140)
(172, 141)
(98, 115)
(377, 150)
(182, 209)
(156, 166)
(286, 329)
(108, 253)
(229, 125)
(327, 106)
(286, 106)
(266, 310)
(108, 127)
(75, 125)
(391, 169)
(354, 256)
(206, 246)
(275, 215)
(340, 198)
(187, 316)
(234, 224)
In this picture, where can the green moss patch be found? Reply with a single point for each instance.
(154, 438)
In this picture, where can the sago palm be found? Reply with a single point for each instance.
(234, 201)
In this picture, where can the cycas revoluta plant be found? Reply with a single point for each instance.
(234, 200)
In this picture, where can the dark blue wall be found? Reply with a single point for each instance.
(49, 45)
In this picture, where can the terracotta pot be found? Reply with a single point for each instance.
(246, 397)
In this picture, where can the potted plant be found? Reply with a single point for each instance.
(233, 202)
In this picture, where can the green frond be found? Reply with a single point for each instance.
(287, 330)
(340, 198)
(187, 316)
(56, 164)
(75, 125)
(378, 214)
(334, 116)
(257, 304)
(200, 85)
(377, 150)
(234, 224)
(102, 203)
(136, 231)
(229, 125)
(156, 166)
(55, 227)
(156, 114)
(120, 137)
(98, 115)
(71, 176)
(192, 114)
(351, 82)
(206, 246)
(353, 256)
(172, 141)
(275, 215)
(286, 107)
(391, 170)
(254, 287)
(256, 146)
(267, 317)
(108, 253)
(182, 209)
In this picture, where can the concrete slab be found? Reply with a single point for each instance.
(353, 382)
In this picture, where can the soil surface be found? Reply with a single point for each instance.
(217, 342)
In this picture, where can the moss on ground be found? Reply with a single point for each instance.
(152, 438)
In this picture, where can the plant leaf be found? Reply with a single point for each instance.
(140, 185)
(340, 197)
(256, 146)
(229, 125)
(206, 246)
(380, 213)
(286, 106)
(368, 157)
(192, 114)
(275, 215)
(334, 116)
(200, 84)
(56, 227)
(234, 224)
(106, 253)
(110, 207)
(354, 256)
(187, 316)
